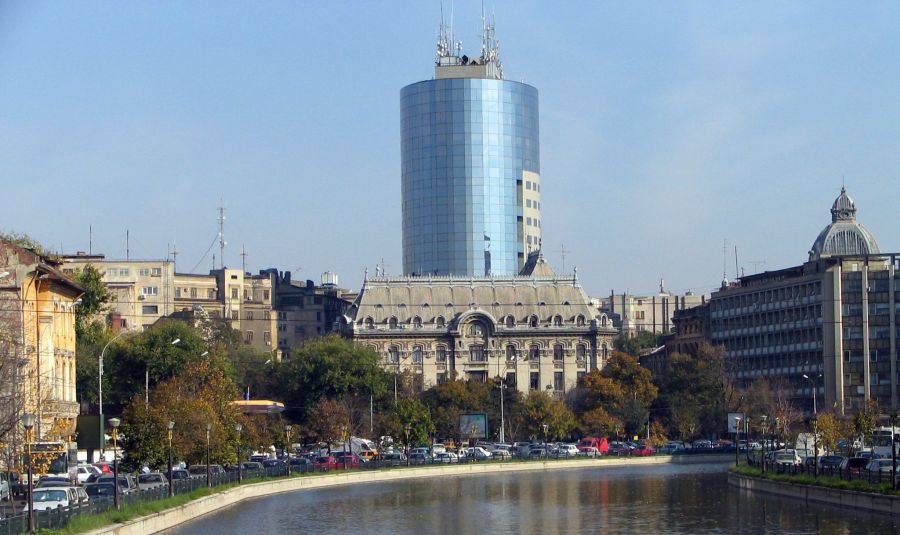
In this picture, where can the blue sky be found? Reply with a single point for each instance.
(666, 127)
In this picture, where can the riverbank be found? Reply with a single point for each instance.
(843, 497)
(169, 518)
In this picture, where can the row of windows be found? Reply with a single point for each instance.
(769, 296)
(777, 318)
(194, 293)
(530, 204)
(508, 321)
(478, 353)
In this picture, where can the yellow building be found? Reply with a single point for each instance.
(37, 332)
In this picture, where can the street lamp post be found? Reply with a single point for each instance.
(502, 419)
(407, 429)
(28, 423)
(545, 426)
(239, 428)
(815, 422)
(100, 371)
(814, 383)
(208, 468)
(288, 429)
(344, 440)
(737, 436)
(169, 427)
(114, 423)
(764, 419)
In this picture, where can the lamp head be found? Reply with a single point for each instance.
(114, 423)
(288, 428)
(238, 428)
(170, 425)
(208, 426)
(28, 421)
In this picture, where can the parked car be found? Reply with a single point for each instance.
(644, 450)
(84, 471)
(854, 464)
(325, 462)
(347, 460)
(274, 463)
(787, 458)
(880, 465)
(567, 450)
(97, 491)
(537, 452)
(830, 461)
(53, 481)
(501, 453)
(368, 455)
(106, 468)
(300, 464)
(198, 471)
(127, 483)
(478, 453)
(252, 466)
(152, 481)
(619, 448)
(446, 457)
(52, 497)
(589, 452)
(393, 458)
(180, 473)
(601, 444)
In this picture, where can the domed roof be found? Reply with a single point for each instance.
(844, 236)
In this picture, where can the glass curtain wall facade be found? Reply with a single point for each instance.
(470, 160)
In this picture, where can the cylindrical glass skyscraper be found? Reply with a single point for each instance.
(470, 171)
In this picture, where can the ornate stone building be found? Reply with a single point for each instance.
(536, 330)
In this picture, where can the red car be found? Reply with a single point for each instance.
(325, 462)
(105, 468)
(643, 451)
(347, 460)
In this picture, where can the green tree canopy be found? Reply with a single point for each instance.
(634, 344)
(539, 409)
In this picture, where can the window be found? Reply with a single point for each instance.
(234, 292)
(579, 320)
(248, 337)
(394, 355)
(144, 272)
(510, 352)
(282, 327)
(442, 378)
(249, 314)
(417, 322)
(511, 380)
(193, 292)
(557, 321)
(369, 323)
(579, 376)
(533, 321)
(441, 354)
(477, 354)
(534, 352)
(265, 295)
(476, 329)
(580, 352)
(558, 352)
(392, 323)
(234, 314)
(247, 296)
(417, 355)
(558, 381)
(150, 309)
(210, 293)
(267, 337)
(534, 381)
(510, 321)
(149, 290)
(439, 322)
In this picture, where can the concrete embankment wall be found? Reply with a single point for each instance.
(215, 502)
(866, 501)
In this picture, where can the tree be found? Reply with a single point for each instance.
(408, 413)
(692, 389)
(201, 394)
(448, 400)
(539, 409)
(24, 240)
(327, 422)
(94, 302)
(634, 344)
(333, 367)
(864, 421)
(598, 422)
(152, 355)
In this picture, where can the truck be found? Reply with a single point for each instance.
(601, 444)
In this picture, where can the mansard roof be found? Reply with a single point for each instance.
(844, 236)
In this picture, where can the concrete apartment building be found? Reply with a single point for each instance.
(271, 312)
(835, 319)
(37, 345)
(633, 314)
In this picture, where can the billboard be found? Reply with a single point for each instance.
(473, 426)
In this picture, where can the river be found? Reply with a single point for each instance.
(672, 499)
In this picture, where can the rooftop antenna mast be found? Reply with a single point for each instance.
(222, 242)
(725, 262)
(736, 270)
(562, 252)
(243, 259)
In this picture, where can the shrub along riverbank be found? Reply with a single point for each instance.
(832, 482)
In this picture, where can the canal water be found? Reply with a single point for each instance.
(675, 499)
